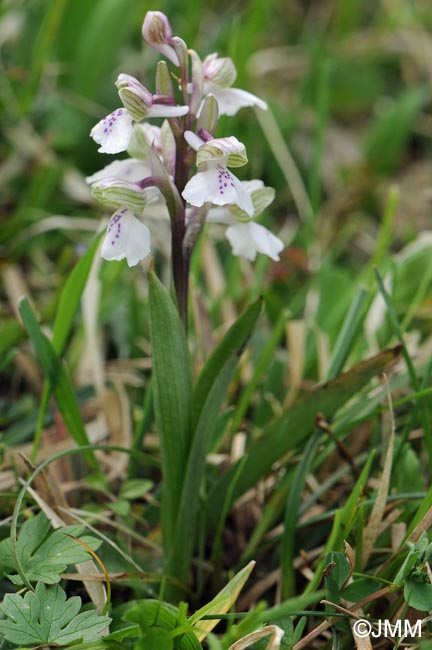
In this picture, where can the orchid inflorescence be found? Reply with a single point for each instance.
(157, 177)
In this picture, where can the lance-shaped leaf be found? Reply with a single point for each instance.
(292, 427)
(45, 617)
(208, 396)
(172, 398)
(221, 603)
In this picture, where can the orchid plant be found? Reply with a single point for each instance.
(180, 170)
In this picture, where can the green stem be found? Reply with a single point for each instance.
(180, 256)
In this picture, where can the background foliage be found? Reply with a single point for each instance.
(346, 143)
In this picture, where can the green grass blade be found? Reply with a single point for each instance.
(68, 305)
(44, 45)
(172, 386)
(265, 358)
(59, 380)
(142, 428)
(71, 296)
(232, 343)
(292, 515)
(343, 522)
(348, 333)
(294, 426)
(397, 330)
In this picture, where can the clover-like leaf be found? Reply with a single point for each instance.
(44, 555)
(45, 617)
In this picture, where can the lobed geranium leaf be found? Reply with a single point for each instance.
(45, 555)
(45, 617)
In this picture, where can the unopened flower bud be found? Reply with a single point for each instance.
(135, 97)
(116, 193)
(156, 30)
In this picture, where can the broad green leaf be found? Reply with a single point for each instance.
(60, 382)
(45, 617)
(150, 612)
(154, 614)
(292, 427)
(172, 398)
(44, 555)
(156, 638)
(359, 589)
(337, 573)
(208, 396)
(418, 595)
(135, 488)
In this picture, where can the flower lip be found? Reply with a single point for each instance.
(126, 237)
(113, 132)
(248, 239)
(214, 183)
(156, 30)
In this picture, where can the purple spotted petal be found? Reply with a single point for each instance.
(216, 184)
(114, 132)
(126, 237)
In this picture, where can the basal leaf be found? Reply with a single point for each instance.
(172, 398)
(45, 617)
(209, 394)
(43, 555)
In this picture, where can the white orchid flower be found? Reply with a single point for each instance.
(246, 237)
(114, 131)
(214, 183)
(219, 75)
